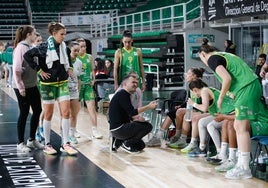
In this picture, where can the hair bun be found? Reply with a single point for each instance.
(205, 41)
(127, 33)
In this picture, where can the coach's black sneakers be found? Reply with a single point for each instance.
(129, 149)
(116, 143)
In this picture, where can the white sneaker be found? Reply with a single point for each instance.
(238, 172)
(73, 140)
(96, 134)
(34, 144)
(76, 134)
(23, 148)
(225, 166)
(154, 141)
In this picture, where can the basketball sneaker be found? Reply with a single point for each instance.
(67, 148)
(128, 149)
(154, 141)
(73, 140)
(34, 144)
(197, 152)
(238, 172)
(23, 148)
(225, 166)
(49, 150)
(189, 148)
(178, 144)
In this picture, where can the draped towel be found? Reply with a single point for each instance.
(52, 55)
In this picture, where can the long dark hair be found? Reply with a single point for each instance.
(21, 33)
(100, 64)
(205, 47)
(198, 71)
(111, 66)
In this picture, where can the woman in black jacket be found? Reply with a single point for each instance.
(54, 68)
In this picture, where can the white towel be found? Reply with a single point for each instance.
(53, 56)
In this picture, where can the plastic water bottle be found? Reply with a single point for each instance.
(266, 161)
(261, 166)
(188, 114)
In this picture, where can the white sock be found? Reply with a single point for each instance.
(94, 128)
(183, 137)
(61, 135)
(238, 156)
(47, 128)
(223, 151)
(72, 131)
(193, 141)
(232, 154)
(202, 146)
(245, 158)
(65, 124)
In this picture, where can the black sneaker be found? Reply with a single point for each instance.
(128, 149)
(197, 152)
(136, 144)
(215, 160)
(116, 143)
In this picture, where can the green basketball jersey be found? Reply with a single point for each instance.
(195, 99)
(86, 73)
(227, 104)
(240, 72)
(129, 63)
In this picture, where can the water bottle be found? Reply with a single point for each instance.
(266, 161)
(261, 166)
(188, 114)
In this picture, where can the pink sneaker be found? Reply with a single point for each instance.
(48, 149)
(67, 148)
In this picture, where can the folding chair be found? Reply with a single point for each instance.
(265, 90)
(262, 141)
(101, 80)
(177, 98)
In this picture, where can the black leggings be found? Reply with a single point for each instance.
(32, 99)
(133, 130)
(172, 115)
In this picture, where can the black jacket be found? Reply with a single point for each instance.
(57, 71)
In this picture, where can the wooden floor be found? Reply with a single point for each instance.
(154, 167)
